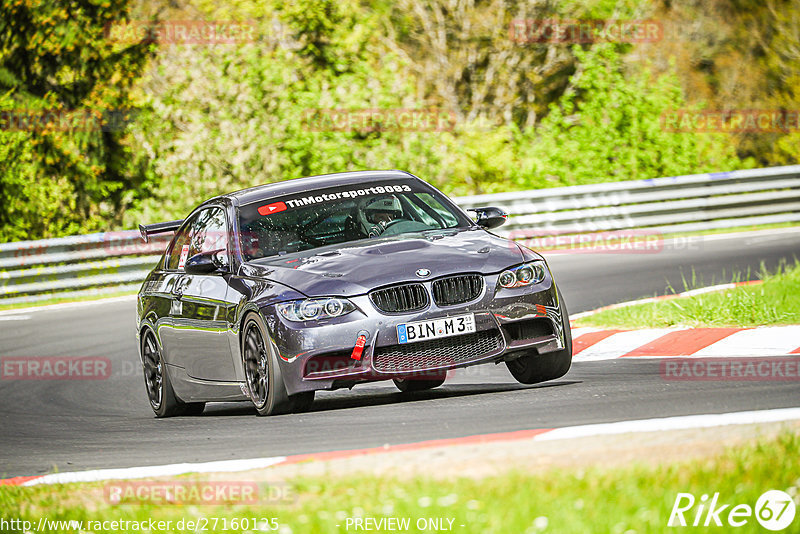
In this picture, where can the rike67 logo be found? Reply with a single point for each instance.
(774, 510)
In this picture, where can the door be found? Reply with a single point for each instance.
(169, 289)
(201, 309)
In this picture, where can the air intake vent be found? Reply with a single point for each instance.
(436, 353)
(457, 289)
(402, 298)
(528, 329)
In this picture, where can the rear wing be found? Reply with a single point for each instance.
(158, 228)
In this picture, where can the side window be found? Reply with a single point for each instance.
(181, 239)
(210, 233)
(206, 231)
(441, 212)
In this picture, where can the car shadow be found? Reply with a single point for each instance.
(355, 398)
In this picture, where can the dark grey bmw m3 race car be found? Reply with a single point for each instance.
(275, 292)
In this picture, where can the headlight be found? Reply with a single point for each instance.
(508, 279)
(313, 309)
(523, 275)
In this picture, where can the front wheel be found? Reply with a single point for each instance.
(533, 368)
(263, 373)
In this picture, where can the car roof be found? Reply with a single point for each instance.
(301, 185)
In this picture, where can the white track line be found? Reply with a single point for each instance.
(604, 429)
(672, 423)
(709, 289)
(224, 466)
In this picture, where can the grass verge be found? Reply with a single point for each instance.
(775, 302)
(632, 499)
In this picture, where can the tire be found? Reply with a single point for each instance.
(262, 372)
(533, 368)
(156, 380)
(407, 385)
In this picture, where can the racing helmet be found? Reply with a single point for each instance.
(371, 207)
(387, 204)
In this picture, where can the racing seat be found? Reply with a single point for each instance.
(352, 229)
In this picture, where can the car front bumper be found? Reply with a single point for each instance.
(318, 355)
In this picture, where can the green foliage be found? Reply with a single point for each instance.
(480, 159)
(214, 118)
(58, 179)
(222, 118)
(327, 31)
(739, 55)
(607, 127)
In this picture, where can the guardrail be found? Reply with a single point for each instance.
(118, 261)
(76, 266)
(666, 205)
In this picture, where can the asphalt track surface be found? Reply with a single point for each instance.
(79, 425)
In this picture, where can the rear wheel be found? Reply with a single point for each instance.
(263, 373)
(533, 368)
(156, 380)
(407, 385)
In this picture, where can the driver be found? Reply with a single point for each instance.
(378, 212)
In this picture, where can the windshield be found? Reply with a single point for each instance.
(331, 216)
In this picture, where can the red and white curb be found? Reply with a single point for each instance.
(592, 344)
(541, 434)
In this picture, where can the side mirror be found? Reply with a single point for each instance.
(203, 263)
(490, 217)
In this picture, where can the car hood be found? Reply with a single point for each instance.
(356, 268)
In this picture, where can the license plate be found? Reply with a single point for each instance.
(435, 328)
